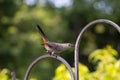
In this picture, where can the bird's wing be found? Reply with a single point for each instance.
(55, 46)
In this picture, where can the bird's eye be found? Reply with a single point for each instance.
(69, 44)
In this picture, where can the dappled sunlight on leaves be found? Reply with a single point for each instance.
(4, 74)
(102, 54)
(107, 68)
(62, 73)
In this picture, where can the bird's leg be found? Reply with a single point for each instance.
(53, 54)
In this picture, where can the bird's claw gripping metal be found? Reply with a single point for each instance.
(53, 54)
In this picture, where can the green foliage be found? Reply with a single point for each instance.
(62, 73)
(4, 74)
(102, 54)
(108, 67)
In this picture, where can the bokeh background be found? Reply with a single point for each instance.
(61, 20)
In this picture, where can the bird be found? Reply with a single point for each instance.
(53, 47)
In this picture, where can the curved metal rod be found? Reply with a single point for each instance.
(49, 56)
(79, 38)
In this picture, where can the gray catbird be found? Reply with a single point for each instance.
(53, 47)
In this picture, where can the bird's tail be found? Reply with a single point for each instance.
(42, 34)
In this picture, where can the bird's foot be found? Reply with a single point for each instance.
(53, 54)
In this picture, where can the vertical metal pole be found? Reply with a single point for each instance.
(77, 53)
(76, 56)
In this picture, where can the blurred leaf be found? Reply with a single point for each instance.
(4, 74)
(98, 54)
